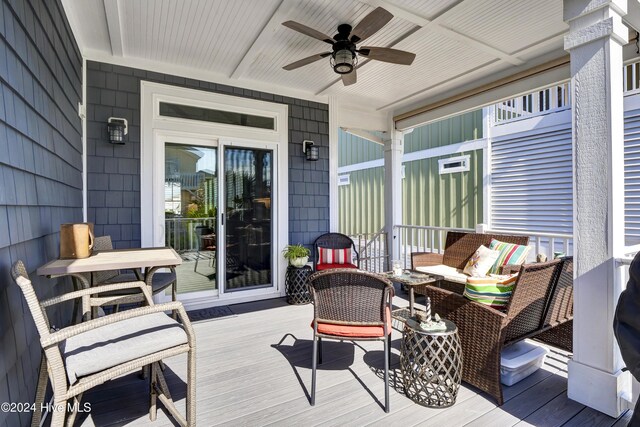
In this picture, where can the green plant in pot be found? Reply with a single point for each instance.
(297, 255)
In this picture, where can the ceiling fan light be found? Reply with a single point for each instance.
(343, 61)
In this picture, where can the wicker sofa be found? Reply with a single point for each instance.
(459, 247)
(540, 307)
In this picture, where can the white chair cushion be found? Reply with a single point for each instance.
(111, 345)
(450, 274)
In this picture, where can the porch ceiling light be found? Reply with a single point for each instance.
(117, 129)
(311, 151)
(343, 61)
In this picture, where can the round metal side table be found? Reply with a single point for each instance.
(431, 364)
(296, 285)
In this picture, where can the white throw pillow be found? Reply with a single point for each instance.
(481, 261)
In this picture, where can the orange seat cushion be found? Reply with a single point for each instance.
(330, 266)
(354, 331)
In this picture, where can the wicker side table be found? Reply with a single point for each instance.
(296, 285)
(431, 364)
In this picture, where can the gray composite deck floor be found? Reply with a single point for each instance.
(253, 369)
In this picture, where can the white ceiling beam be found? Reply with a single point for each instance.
(435, 25)
(361, 133)
(266, 35)
(112, 11)
(74, 23)
(477, 44)
(632, 18)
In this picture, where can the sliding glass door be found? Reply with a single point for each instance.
(248, 175)
(218, 216)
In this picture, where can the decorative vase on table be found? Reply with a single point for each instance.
(299, 262)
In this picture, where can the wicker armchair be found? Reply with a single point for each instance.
(334, 241)
(350, 305)
(80, 357)
(157, 282)
(535, 308)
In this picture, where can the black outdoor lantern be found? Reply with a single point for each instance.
(310, 150)
(117, 129)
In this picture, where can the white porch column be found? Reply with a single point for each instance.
(393, 150)
(333, 164)
(595, 41)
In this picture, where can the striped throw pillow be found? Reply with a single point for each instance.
(494, 291)
(334, 256)
(509, 254)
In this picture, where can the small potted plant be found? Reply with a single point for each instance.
(297, 255)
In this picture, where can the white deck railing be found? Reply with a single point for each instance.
(373, 250)
(631, 78)
(180, 233)
(543, 101)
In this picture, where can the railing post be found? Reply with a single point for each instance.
(393, 148)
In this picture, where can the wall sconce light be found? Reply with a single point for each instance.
(117, 129)
(311, 151)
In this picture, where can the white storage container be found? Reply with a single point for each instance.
(521, 360)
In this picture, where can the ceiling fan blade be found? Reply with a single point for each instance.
(308, 31)
(349, 79)
(304, 61)
(370, 24)
(386, 54)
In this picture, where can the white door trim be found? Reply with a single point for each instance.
(153, 126)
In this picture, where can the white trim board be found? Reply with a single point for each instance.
(476, 144)
(198, 74)
(555, 120)
(528, 84)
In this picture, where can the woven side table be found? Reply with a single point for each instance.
(296, 285)
(431, 364)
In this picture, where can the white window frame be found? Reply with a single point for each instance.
(344, 179)
(465, 167)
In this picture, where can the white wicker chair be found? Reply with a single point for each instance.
(82, 356)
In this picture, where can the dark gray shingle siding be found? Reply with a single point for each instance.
(115, 91)
(40, 174)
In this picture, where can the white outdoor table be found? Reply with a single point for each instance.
(149, 259)
(116, 259)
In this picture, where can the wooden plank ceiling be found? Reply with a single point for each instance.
(244, 43)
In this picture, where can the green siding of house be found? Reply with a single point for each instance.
(361, 203)
(465, 127)
(353, 149)
(447, 200)
(428, 198)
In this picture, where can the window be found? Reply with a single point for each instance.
(454, 164)
(344, 180)
(216, 116)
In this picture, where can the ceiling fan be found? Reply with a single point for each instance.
(344, 56)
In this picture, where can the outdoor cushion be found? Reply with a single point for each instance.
(107, 346)
(354, 331)
(334, 256)
(494, 291)
(330, 266)
(449, 274)
(509, 254)
(481, 261)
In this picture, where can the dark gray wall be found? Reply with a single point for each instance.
(40, 173)
(114, 170)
